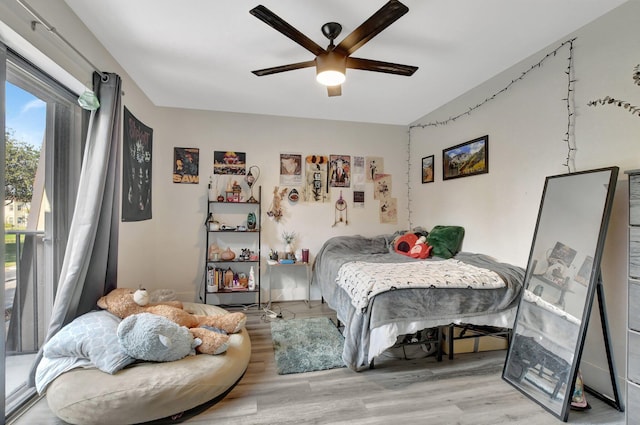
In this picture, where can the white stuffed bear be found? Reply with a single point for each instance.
(147, 336)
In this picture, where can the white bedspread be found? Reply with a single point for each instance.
(535, 299)
(363, 280)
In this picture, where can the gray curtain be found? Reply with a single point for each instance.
(90, 260)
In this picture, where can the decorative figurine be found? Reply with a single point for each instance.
(251, 180)
(251, 220)
(275, 210)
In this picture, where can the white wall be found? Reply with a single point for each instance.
(526, 127)
(175, 236)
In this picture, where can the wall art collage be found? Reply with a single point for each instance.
(302, 178)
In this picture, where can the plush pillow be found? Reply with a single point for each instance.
(445, 240)
(93, 337)
(147, 336)
(404, 243)
(49, 369)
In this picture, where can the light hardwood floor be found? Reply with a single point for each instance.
(466, 391)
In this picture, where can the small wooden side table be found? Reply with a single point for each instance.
(272, 266)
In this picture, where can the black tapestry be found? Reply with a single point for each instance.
(136, 169)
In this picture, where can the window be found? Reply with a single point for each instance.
(42, 222)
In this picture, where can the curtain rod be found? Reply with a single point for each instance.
(51, 29)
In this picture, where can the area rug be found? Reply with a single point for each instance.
(306, 345)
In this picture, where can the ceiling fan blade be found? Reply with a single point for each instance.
(379, 66)
(283, 68)
(334, 90)
(385, 16)
(279, 24)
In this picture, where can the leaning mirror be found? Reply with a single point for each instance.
(562, 273)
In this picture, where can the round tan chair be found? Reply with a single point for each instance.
(147, 391)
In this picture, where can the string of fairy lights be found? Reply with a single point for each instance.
(568, 138)
(409, 178)
(570, 102)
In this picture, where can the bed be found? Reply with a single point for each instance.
(373, 325)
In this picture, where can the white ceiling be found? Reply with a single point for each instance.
(200, 53)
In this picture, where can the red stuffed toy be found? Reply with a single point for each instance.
(405, 242)
(420, 249)
(413, 246)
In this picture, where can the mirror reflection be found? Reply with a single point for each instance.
(559, 285)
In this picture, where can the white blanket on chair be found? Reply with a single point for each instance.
(363, 280)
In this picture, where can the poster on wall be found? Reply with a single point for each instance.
(374, 165)
(358, 175)
(339, 170)
(136, 169)
(358, 198)
(290, 169)
(185, 165)
(229, 162)
(389, 211)
(359, 179)
(382, 186)
(316, 189)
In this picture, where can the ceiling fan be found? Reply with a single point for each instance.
(331, 63)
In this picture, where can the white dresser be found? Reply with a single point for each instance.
(633, 331)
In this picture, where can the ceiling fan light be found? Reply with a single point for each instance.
(330, 69)
(330, 78)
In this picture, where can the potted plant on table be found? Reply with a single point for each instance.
(288, 238)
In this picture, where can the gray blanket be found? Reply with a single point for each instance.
(554, 329)
(441, 306)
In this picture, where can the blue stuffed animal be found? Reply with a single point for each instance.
(147, 336)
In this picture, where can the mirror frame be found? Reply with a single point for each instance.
(594, 280)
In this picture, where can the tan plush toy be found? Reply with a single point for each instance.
(124, 302)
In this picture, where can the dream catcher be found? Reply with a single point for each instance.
(341, 212)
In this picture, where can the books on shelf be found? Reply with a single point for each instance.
(225, 280)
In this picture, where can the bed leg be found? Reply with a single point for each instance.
(336, 324)
(372, 364)
(440, 347)
(450, 342)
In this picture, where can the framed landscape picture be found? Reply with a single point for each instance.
(466, 159)
(427, 169)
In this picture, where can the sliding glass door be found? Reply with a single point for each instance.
(41, 167)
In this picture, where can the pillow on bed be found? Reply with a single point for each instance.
(445, 240)
(93, 337)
